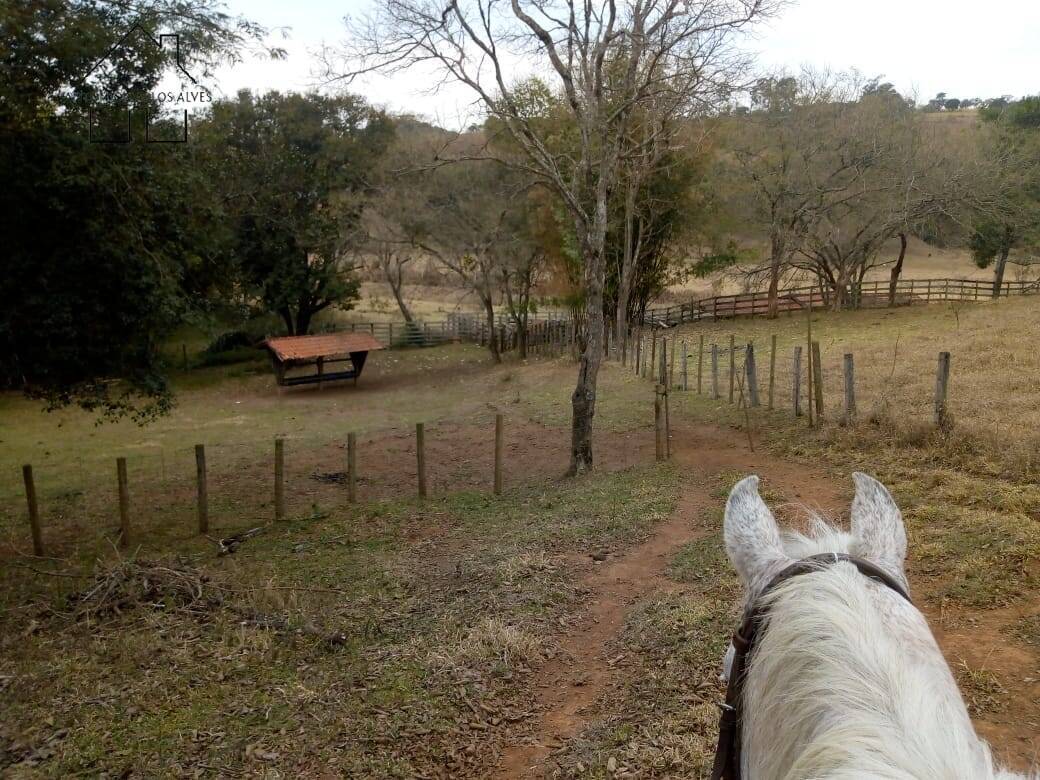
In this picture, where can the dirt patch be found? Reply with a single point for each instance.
(569, 686)
(999, 679)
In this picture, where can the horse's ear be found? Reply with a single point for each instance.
(877, 525)
(751, 534)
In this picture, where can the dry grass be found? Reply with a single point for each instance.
(490, 645)
(994, 396)
(358, 644)
(982, 690)
(969, 493)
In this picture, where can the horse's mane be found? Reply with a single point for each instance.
(848, 682)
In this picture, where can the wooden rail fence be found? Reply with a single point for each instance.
(544, 334)
(868, 294)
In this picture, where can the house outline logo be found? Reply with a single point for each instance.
(203, 94)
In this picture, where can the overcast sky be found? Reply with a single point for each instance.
(962, 47)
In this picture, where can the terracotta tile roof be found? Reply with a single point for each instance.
(320, 345)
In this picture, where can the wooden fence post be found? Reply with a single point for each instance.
(202, 490)
(663, 368)
(817, 367)
(796, 389)
(732, 364)
(124, 503)
(671, 364)
(658, 424)
(653, 352)
(420, 456)
(752, 374)
(715, 371)
(808, 354)
(942, 384)
(352, 468)
(667, 427)
(685, 367)
(279, 479)
(498, 454)
(700, 362)
(850, 390)
(34, 509)
(772, 368)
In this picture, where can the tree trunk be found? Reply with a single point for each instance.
(286, 315)
(489, 311)
(841, 291)
(627, 267)
(897, 269)
(522, 333)
(775, 256)
(583, 400)
(395, 288)
(998, 270)
(303, 319)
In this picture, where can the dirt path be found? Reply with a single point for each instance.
(567, 686)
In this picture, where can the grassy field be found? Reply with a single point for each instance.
(399, 638)
(994, 398)
(237, 411)
(389, 638)
(921, 262)
(971, 492)
(389, 641)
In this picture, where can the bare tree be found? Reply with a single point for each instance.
(644, 153)
(467, 211)
(609, 58)
(519, 278)
(898, 185)
(389, 244)
(838, 169)
(792, 167)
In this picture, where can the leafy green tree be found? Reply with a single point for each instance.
(295, 171)
(108, 247)
(657, 203)
(1007, 228)
(657, 212)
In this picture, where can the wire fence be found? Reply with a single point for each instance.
(788, 372)
(69, 506)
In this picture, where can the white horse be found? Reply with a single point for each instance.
(846, 680)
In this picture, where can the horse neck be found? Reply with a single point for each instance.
(847, 681)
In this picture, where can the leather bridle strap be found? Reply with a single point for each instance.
(727, 753)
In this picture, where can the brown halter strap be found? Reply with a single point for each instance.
(727, 753)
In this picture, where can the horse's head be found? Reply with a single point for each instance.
(758, 551)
